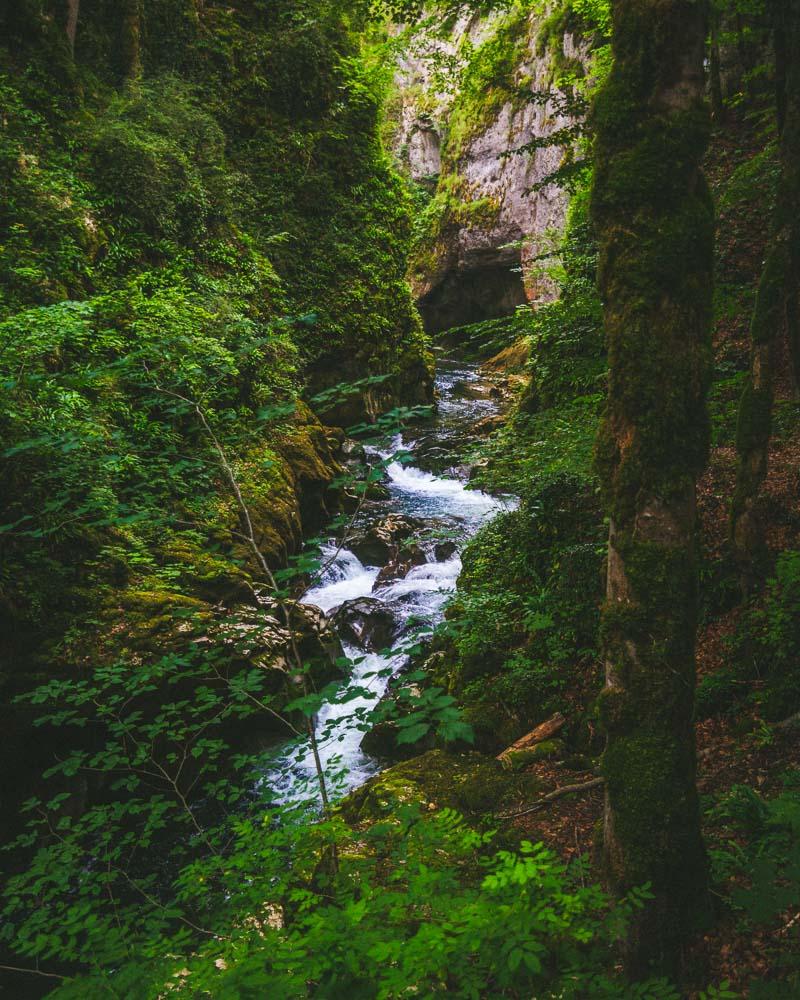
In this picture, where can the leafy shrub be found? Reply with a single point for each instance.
(418, 907)
(160, 160)
(767, 646)
(526, 613)
(758, 869)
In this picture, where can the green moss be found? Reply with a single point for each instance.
(472, 784)
(518, 760)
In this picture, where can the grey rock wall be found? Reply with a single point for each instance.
(479, 265)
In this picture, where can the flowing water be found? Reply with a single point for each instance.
(417, 601)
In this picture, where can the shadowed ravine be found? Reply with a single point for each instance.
(444, 505)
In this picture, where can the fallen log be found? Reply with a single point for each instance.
(584, 786)
(546, 731)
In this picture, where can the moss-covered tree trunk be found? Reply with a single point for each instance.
(776, 307)
(655, 225)
(73, 9)
(131, 39)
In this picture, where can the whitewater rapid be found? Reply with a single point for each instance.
(416, 602)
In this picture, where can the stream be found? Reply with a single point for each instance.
(442, 502)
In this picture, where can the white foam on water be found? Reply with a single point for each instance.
(430, 578)
(345, 765)
(344, 579)
(418, 599)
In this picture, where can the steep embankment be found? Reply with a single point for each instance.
(196, 235)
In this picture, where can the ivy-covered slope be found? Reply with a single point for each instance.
(199, 229)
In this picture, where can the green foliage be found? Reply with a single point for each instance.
(762, 668)
(767, 645)
(479, 341)
(755, 181)
(525, 618)
(553, 429)
(159, 161)
(199, 246)
(419, 905)
(568, 350)
(756, 861)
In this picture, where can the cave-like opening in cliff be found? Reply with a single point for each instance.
(472, 295)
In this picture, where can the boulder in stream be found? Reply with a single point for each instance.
(366, 622)
(401, 564)
(471, 784)
(380, 543)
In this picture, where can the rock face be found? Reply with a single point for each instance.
(487, 222)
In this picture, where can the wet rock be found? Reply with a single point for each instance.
(381, 542)
(490, 424)
(479, 390)
(316, 638)
(366, 622)
(445, 550)
(264, 637)
(401, 564)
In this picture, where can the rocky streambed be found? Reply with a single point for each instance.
(393, 576)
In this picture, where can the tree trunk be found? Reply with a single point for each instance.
(73, 8)
(655, 223)
(714, 71)
(131, 40)
(776, 310)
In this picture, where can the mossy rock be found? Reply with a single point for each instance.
(472, 784)
(145, 614)
(518, 760)
(210, 575)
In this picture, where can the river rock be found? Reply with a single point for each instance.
(316, 639)
(445, 550)
(401, 564)
(490, 424)
(352, 450)
(366, 622)
(380, 543)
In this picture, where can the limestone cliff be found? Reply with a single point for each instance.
(465, 102)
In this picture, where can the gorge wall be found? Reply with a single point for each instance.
(465, 102)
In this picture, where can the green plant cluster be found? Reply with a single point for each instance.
(764, 650)
(523, 625)
(756, 864)
(419, 902)
(554, 424)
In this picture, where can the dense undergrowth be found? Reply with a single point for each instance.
(195, 240)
